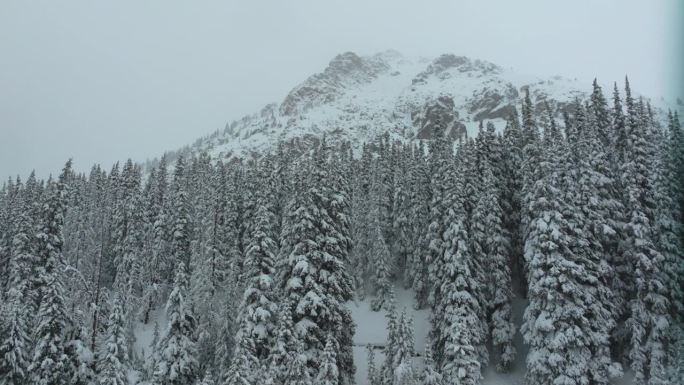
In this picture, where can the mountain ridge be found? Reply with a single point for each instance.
(358, 98)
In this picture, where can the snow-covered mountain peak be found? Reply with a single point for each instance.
(357, 98)
(446, 65)
(345, 71)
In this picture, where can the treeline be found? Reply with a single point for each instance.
(251, 262)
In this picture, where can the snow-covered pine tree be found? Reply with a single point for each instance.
(669, 226)
(128, 222)
(284, 345)
(49, 363)
(313, 276)
(458, 331)
(298, 373)
(258, 310)
(460, 335)
(225, 337)
(14, 341)
(443, 182)
(333, 202)
(419, 217)
(8, 211)
(158, 268)
(468, 171)
(401, 227)
(208, 379)
(155, 336)
(511, 195)
(328, 374)
(180, 240)
(489, 235)
(567, 291)
(244, 365)
(430, 375)
(648, 320)
(676, 375)
(545, 245)
(14, 321)
(603, 123)
(386, 373)
(379, 254)
(361, 263)
(593, 215)
(114, 362)
(382, 284)
(402, 359)
(372, 373)
(176, 362)
(620, 129)
(530, 158)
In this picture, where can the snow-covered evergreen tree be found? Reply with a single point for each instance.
(648, 321)
(14, 341)
(381, 259)
(243, 367)
(402, 354)
(114, 362)
(298, 373)
(49, 364)
(14, 319)
(208, 379)
(284, 345)
(258, 309)
(430, 375)
(489, 236)
(176, 361)
(460, 332)
(313, 277)
(328, 374)
(372, 373)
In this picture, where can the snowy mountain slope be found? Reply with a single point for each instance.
(357, 98)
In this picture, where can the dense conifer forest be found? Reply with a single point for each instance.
(246, 266)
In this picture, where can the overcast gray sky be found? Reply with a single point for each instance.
(104, 80)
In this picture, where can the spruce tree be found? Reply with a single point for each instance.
(430, 375)
(298, 373)
(402, 359)
(14, 322)
(50, 363)
(381, 260)
(328, 374)
(244, 363)
(176, 361)
(114, 363)
(459, 333)
(372, 374)
(258, 309)
(648, 321)
(14, 340)
(419, 217)
(313, 277)
(285, 343)
(489, 236)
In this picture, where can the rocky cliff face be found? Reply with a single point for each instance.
(345, 72)
(357, 98)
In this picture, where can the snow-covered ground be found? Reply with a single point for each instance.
(371, 328)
